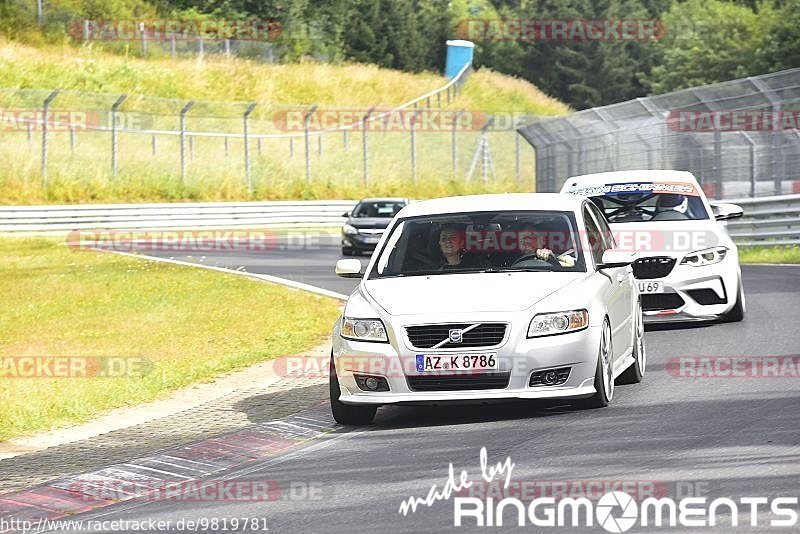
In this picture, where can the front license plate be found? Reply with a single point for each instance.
(372, 239)
(456, 362)
(651, 287)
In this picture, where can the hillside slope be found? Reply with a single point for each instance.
(215, 169)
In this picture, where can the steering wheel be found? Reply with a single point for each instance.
(551, 261)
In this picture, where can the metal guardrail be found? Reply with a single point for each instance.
(210, 215)
(767, 221)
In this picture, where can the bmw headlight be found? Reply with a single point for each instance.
(349, 229)
(364, 329)
(707, 256)
(548, 324)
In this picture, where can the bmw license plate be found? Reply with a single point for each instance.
(651, 287)
(456, 362)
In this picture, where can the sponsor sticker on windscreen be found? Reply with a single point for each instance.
(634, 187)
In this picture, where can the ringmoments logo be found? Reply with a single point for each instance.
(614, 511)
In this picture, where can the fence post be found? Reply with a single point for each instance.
(717, 174)
(72, 139)
(413, 124)
(153, 144)
(319, 145)
(227, 147)
(454, 149)
(227, 48)
(114, 148)
(247, 176)
(752, 163)
(30, 137)
(85, 29)
(184, 111)
(143, 32)
(200, 48)
(46, 106)
(172, 45)
(306, 119)
(344, 139)
(365, 145)
(517, 172)
(291, 147)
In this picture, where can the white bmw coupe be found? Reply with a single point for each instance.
(464, 301)
(688, 268)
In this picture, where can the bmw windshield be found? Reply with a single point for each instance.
(481, 242)
(645, 201)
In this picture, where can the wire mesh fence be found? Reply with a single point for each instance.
(740, 138)
(72, 137)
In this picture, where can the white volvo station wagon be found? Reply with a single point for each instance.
(465, 301)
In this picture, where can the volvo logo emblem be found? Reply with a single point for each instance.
(456, 335)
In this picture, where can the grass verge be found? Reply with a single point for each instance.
(770, 254)
(188, 324)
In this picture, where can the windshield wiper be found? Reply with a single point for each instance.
(517, 269)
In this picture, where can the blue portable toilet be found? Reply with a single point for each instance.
(459, 53)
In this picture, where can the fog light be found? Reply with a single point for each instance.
(371, 383)
(550, 377)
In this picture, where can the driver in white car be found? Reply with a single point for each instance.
(533, 243)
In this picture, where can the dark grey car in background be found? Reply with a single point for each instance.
(366, 223)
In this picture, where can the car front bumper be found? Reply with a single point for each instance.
(361, 242)
(517, 355)
(694, 293)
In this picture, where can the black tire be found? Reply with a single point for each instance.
(603, 395)
(347, 414)
(737, 312)
(634, 373)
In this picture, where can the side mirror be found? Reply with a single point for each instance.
(724, 212)
(346, 214)
(617, 258)
(348, 268)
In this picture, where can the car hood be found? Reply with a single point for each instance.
(671, 238)
(474, 292)
(369, 222)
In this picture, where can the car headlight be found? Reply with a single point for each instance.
(708, 256)
(349, 229)
(548, 324)
(364, 329)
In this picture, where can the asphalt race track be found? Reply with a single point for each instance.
(718, 437)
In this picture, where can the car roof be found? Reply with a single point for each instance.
(495, 202)
(644, 175)
(383, 199)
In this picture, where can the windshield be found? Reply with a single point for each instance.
(481, 242)
(645, 201)
(378, 208)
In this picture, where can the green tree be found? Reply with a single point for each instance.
(708, 41)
